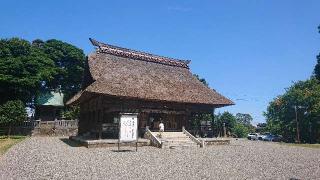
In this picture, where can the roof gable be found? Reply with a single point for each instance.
(138, 55)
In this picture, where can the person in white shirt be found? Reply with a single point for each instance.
(161, 128)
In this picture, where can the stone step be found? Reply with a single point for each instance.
(180, 142)
(177, 144)
(180, 145)
(170, 133)
(176, 140)
(172, 137)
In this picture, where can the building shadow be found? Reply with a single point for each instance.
(70, 143)
(119, 151)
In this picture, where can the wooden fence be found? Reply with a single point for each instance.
(58, 124)
(43, 128)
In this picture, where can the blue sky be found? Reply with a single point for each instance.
(248, 50)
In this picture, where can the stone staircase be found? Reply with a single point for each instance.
(175, 140)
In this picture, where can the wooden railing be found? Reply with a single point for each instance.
(194, 139)
(153, 139)
(66, 123)
(27, 124)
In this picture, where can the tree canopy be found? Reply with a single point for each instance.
(69, 65)
(26, 68)
(281, 115)
(238, 125)
(22, 68)
(244, 119)
(227, 119)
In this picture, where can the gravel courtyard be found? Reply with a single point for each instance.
(54, 158)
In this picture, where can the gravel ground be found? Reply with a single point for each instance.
(54, 158)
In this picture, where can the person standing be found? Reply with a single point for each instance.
(161, 128)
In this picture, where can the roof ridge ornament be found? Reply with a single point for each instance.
(139, 55)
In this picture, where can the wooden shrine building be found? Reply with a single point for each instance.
(119, 80)
(49, 106)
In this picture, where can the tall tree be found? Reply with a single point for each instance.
(69, 62)
(22, 68)
(25, 68)
(282, 117)
(244, 119)
(225, 119)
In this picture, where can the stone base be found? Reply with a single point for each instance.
(215, 141)
(94, 143)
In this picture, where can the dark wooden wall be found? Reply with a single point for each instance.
(102, 109)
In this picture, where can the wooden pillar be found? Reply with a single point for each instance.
(187, 119)
(212, 123)
(100, 124)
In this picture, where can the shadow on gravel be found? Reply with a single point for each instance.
(70, 142)
(123, 151)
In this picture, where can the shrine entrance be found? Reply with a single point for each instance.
(172, 122)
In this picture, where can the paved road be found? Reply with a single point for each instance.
(56, 158)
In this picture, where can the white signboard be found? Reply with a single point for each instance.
(128, 128)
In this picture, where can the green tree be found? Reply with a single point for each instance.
(72, 113)
(69, 62)
(27, 68)
(201, 80)
(281, 116)
(22, 69)
(240, 130)
(12, 112)
(227, 119)
(244, 119)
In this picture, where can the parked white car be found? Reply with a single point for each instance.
(262, 136)
(253, 136)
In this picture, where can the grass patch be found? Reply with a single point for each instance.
(7, 143)
(302, 145)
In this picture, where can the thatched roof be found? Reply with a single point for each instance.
(127, 73)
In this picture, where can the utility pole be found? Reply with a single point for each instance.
(297, 122)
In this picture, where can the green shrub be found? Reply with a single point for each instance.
(72, 113)
(12, 112)
(240, 130)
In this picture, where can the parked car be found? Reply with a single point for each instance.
(270, 137)
(261, 136)
(277, 138)
(253, 136)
